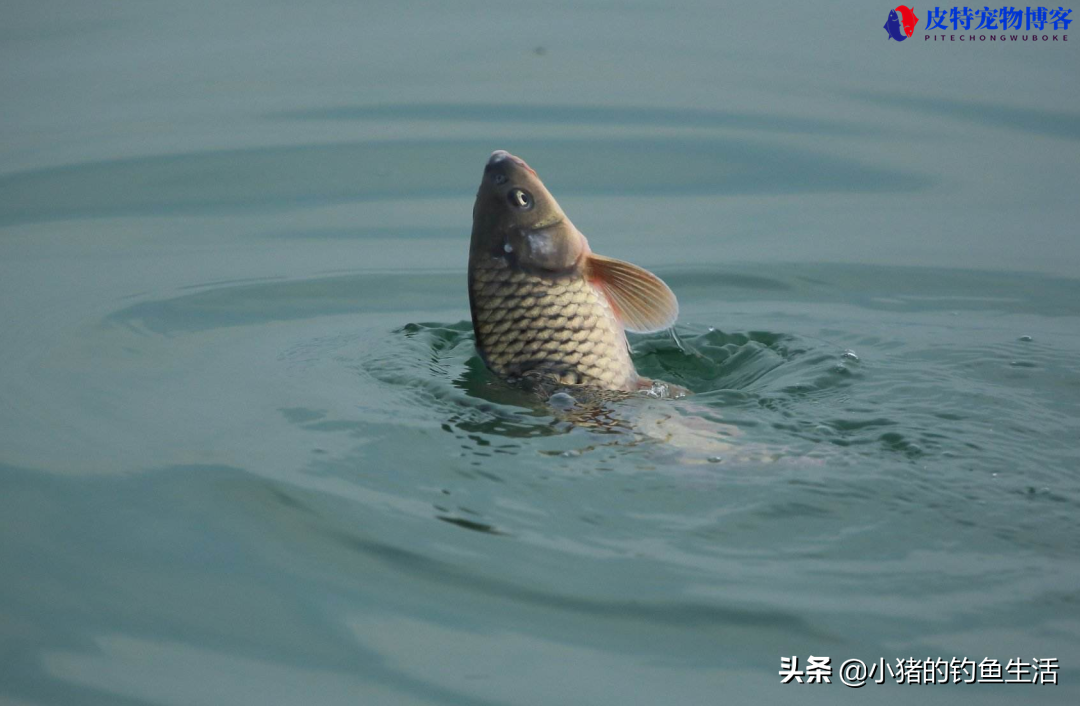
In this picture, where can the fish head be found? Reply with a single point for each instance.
(516, 217)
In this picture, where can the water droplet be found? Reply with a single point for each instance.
(562, 400)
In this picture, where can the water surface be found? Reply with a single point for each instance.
(248, 453)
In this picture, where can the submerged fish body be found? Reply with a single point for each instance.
(544, 306)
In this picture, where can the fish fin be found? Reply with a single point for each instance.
(640, 299)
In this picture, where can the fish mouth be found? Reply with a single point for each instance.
(502, 155)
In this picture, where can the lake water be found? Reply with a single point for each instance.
(248, 453)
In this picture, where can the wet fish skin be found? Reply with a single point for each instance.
(559, 326)
(543, 304)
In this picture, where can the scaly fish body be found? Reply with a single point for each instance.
(543, 304)
(561, 325)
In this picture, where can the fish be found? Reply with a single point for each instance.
(546, 308)
(892, 26)
(908, 19)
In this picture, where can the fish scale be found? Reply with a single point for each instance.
(545, 307)
(560, 326)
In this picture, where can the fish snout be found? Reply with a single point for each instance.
(499, 157)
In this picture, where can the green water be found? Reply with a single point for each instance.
(248, 453)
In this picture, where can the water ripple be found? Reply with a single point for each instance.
(307, 175)
(549, 114)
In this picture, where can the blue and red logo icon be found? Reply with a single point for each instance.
(901, 23)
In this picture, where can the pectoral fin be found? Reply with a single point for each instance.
(640, 299)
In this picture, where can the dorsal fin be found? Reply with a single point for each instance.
(640, 299)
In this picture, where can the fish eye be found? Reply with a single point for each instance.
(520, 199)
(499, 178)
